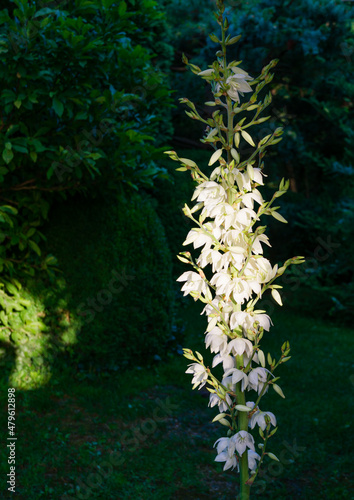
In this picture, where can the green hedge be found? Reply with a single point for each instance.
(117, 266)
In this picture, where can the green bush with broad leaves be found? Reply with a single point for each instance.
(84, 109)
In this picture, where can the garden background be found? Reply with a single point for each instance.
(92, 322)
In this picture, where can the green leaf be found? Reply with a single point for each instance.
(279, 217)
(225, 422)
(20, 149)
(247, 138)
(215, 156)
(34, 247)
(190, 163)
(9, 209)
(15, 337)
(43, 12)
(235, 155)
(234, 40)
(278, 390)
(261, 357)
(273, 457)
(33, 156)
(18, 104)
(214, 38)
(58, 106)
(122, 9)
(243, 408)
(11, 288)
(7, 156)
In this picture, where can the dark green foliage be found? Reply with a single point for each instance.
(79, 97)
(84, 108)
(117, 265)
(172, 200)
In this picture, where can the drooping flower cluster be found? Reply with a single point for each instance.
(231, 242)
(234, 250)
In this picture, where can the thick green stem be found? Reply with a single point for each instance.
(242, 426)
(230, 128)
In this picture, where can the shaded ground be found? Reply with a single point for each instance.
(150, 437)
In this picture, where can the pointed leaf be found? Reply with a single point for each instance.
(273, 457)
(219, 417)
(277, 297)
(247, 138)
(215, 156)
(261, 357)
(58, 106)
(7, 156)
(278, 390)
(243, 408)
(279, 217)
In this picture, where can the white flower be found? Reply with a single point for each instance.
(257, 378)
(259, 418)
(237, 376)
(257, 176)
(237, 84)
(257, 247)
(258, 271)
(241, 318)
(200, 375)
(210, 192)
(216, 339)
(239, 346)
(227, 382)
(209, 256)
(198, 238)
(219, 305)
(220, 280)
(214, 399)
(252, 457)
(235, 238)
(246, 359)
(263, 320)
(226, 360)
(249, 198)
(242, 440)
(226, 453)
(225, 284)
(247, 320)
(194, 283)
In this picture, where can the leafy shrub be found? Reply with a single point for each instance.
(117, 266)
(85, 108)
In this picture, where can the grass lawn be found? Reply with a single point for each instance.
(151, 437)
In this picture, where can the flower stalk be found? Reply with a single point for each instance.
(231, 244)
